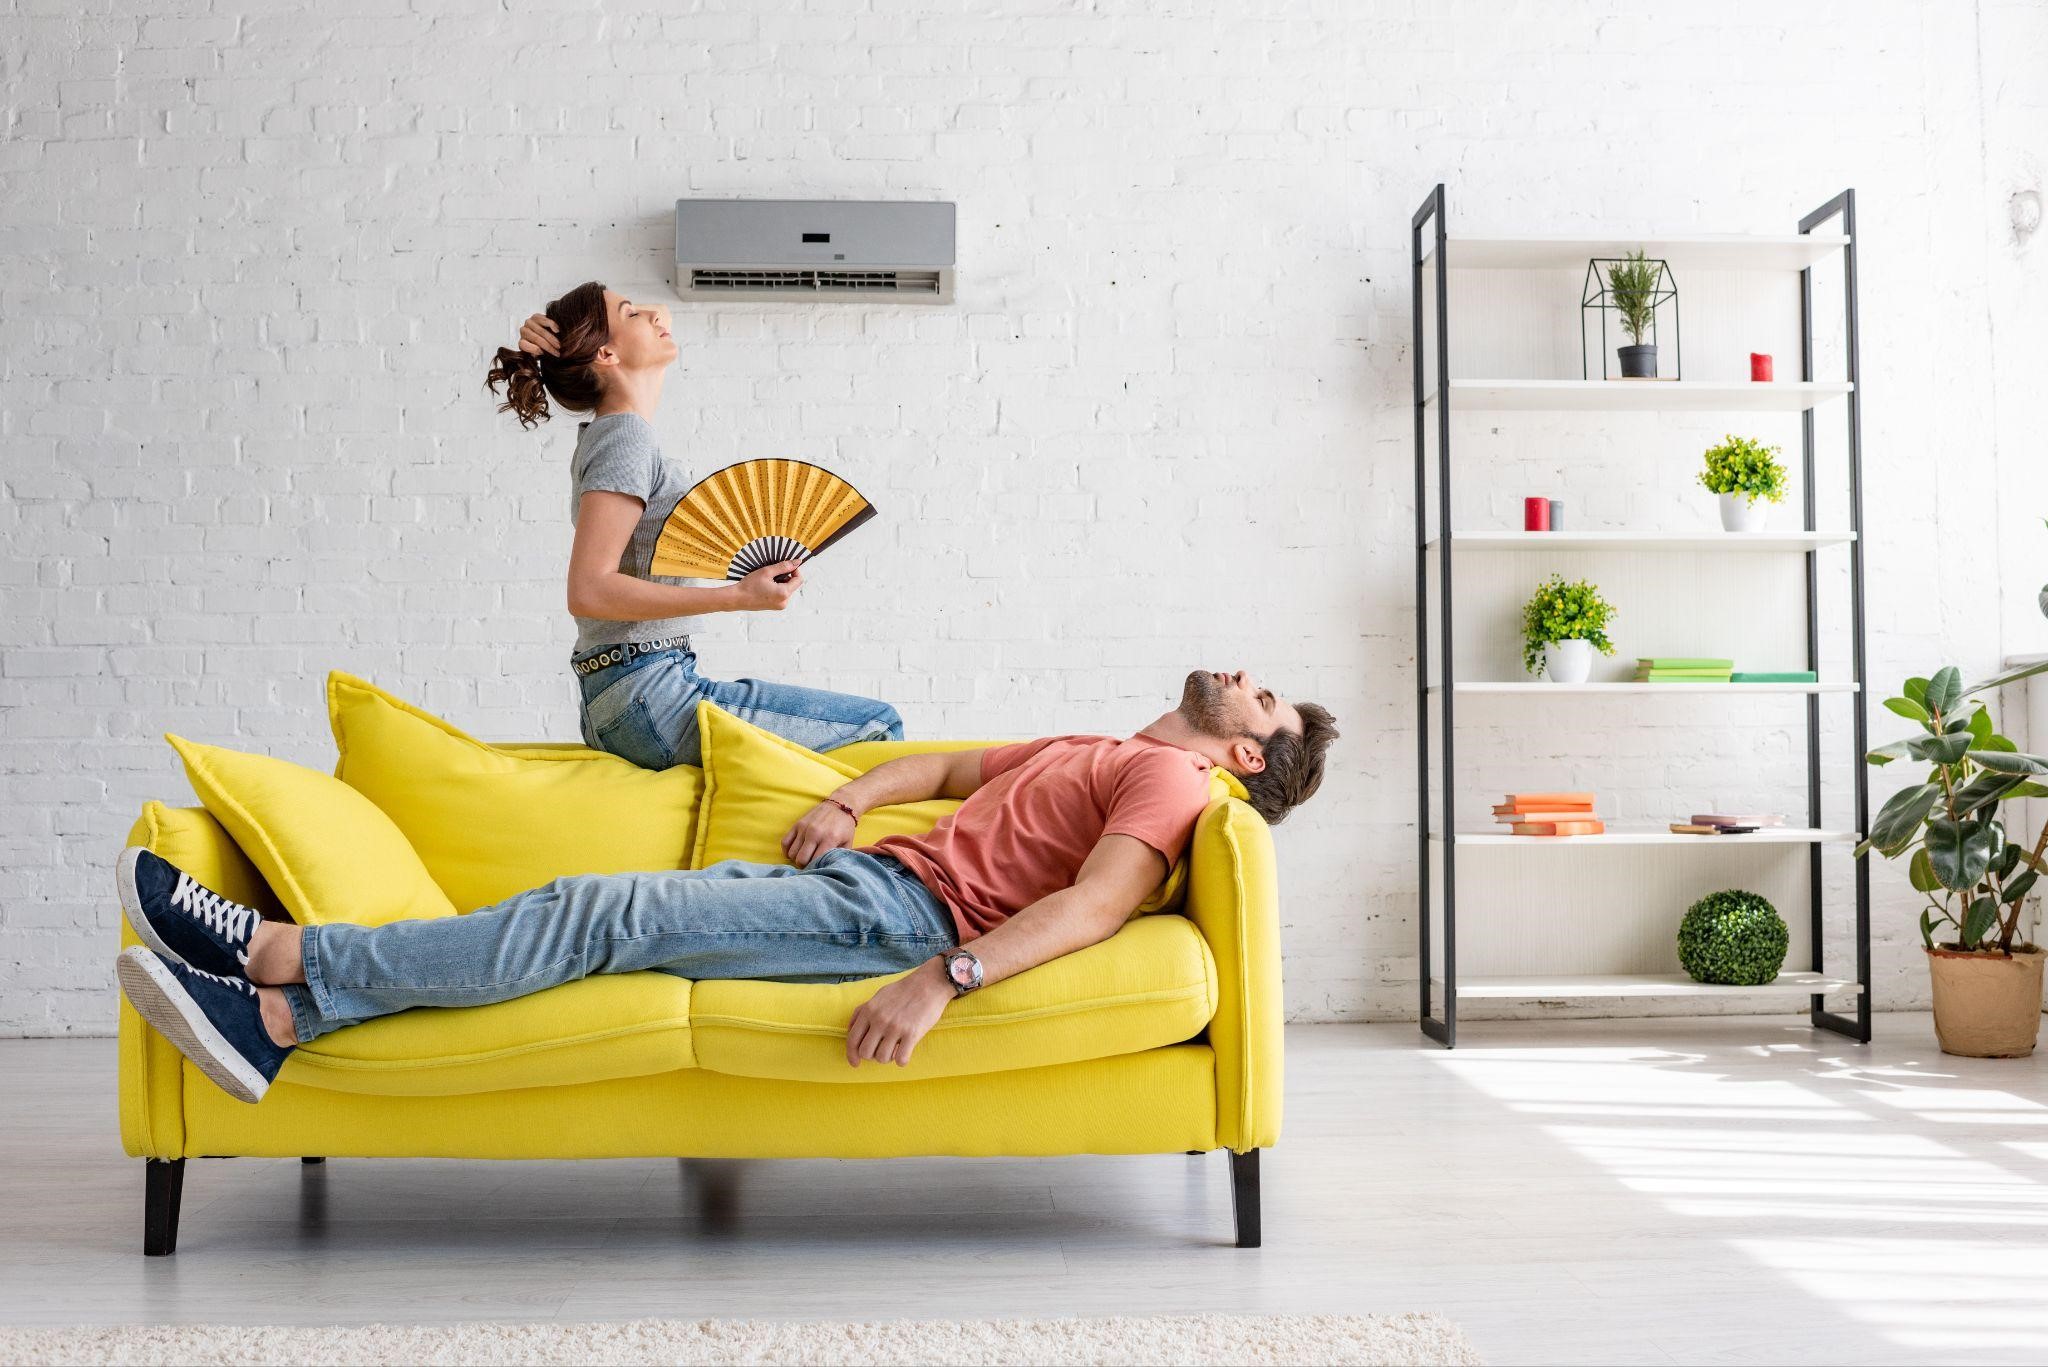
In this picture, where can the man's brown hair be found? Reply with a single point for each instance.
(1294, 765)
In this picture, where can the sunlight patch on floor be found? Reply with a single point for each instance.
(1898, 1196)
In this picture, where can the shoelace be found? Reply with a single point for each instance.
(238, 984)
(230, 920)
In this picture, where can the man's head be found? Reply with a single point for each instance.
(1274, 746)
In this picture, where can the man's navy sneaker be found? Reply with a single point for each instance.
(213, 1020)
(181, 920)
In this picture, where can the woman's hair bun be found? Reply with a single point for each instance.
(569, 377)
(526, 394)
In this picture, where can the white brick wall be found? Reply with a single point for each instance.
(253, 258)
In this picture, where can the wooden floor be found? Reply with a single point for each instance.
(1733, 1190)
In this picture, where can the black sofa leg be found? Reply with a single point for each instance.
(309, 1162)
(163, 1184)
(1244, 1196)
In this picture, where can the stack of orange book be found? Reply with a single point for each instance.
(1549, 814)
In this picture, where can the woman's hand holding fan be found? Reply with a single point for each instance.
(770, 588)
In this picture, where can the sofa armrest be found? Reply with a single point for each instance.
(151, 1071)
(1233, 899)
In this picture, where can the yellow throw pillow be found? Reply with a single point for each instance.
(756, 785)
(324, 848)
(490, 821)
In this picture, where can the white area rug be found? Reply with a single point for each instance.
(1151, 1339)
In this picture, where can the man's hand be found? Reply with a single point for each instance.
(889, 1024)
(539, 335)
(759, 592)
(824, 827)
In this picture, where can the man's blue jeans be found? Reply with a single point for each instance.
(645, 710)
(849, 915)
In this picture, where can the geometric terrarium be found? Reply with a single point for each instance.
(1629, 294)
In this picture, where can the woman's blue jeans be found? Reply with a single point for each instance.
(849, 915)
(645, 710)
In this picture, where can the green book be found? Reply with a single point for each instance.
(1775, 676)
(1676, 662)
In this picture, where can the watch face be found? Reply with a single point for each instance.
(961, 970)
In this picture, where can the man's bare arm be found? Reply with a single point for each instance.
(1120, 872)
(913, 778)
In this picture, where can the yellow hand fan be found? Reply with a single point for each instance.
(752, 514)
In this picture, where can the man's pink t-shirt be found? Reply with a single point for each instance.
(1040, 810)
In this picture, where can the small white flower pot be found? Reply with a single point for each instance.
(1568, 662)
(1741, 513)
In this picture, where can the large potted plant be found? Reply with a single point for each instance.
(1962, 858)
(1562, 625)
(1746, 474)
(1632, 287)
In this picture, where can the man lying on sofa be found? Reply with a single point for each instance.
(1058, 842)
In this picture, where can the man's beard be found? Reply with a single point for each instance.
(1203, 705)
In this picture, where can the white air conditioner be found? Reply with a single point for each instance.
(874, 250)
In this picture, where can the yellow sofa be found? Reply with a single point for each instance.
(1164, 1039)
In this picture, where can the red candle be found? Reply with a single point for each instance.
(1535, 514)
(1759, 366)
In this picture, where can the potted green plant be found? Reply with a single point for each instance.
(1632, 288)
(1962, 858)
(1562, 624)
(1745, 473)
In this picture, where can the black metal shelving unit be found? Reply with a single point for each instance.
(1441, 902)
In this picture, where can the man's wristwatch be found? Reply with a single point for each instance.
(963, 970)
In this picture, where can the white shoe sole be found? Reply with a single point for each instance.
(160, 999)
(131, 905)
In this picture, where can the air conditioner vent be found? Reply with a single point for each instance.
(799, 250)
(785, 282)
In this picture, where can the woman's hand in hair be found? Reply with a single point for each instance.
(759, 592)
(539, 336)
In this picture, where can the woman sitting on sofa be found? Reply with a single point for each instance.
(596, 351)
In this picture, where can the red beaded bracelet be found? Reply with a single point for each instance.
(843, 807)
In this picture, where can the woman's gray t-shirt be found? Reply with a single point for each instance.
(620, 453)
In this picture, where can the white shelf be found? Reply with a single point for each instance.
(1631, 686)
(1641, 396)
(1696, 252)
(1641, 541)
(1798, 984)
(1769, 835)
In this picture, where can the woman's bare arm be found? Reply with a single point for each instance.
(604, 524)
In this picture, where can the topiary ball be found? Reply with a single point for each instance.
(1734, 938)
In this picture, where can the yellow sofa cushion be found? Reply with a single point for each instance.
(490, 821)
(324, 848)
(619, 1025)
(1151, 984)
(756, 785)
